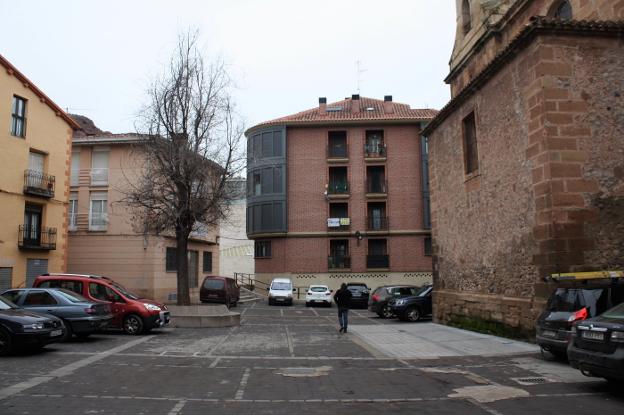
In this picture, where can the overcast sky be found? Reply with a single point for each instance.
(97, 58)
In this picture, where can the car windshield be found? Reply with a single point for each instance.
(573, 299)
(212, 284)
(422, 291)
(357, 287)
(6, 304)
(72, 296)
(124, 291)
(615, 312)
(318, 289)
(281, 286)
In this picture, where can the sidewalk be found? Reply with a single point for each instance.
(431, 340)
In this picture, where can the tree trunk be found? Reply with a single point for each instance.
(184, 296)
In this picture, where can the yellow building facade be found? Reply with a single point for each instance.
(35, 151)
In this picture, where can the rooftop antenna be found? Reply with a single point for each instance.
(359, 72)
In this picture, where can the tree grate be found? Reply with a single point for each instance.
(531, 380)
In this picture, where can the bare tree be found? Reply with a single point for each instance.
(192, 147)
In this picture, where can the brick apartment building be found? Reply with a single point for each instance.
(335, 193)
(527, 159)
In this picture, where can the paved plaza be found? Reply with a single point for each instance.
(285, 360)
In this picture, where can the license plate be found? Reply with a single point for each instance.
(548, 333)
(592, 335)
(56, 333)
(356, 295)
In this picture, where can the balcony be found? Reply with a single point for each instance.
(377, 223)
(374, 152)
(39, 184)
(36, 238)
(338, 262)
(337, 153)
(377, 261)
(338, 224)
(99, 177)
(376, 188)
(338, 189)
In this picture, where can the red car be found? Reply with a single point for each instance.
(131, 313)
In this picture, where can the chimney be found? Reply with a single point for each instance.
(322, 105)
(388, 105)
(355, 103)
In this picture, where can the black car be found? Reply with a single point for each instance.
(413, 307)
(569, 304)
(597, 346)
(21, 328)
(79, 315)
(378, 302)
(359, 294)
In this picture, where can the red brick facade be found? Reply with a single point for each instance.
(549, 192)
(302, 253)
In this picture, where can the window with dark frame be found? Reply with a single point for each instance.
(562, 10)
(18, 117)
(428, 246)
(466, 18)
(171, 261)
(471, 154)
(262, 249)
(337, 144)
(207, 267)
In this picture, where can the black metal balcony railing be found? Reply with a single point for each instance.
(338, 261)
(376, 186)
(34, 237)
(377, 261)
(38, 184)
(337, 151)
(377, 223)
(338, 188)
(374, 150)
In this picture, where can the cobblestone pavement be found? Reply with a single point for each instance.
(283, 360)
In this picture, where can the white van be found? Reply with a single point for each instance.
(281, 291)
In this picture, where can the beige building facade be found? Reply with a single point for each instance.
(35, 143)
(104, 236)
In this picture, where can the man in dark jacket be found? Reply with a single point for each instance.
(342, 299)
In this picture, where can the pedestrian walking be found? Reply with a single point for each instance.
(342, 299)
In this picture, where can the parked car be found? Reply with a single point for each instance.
(222, 290)
(359, 294)
(23, 328)
(378, 302)
(80, 316)
(597, 346)
(320, 294)
(413, 307)
(131, 313)
(281, 291)
(569, 304)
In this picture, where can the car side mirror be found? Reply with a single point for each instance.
(294, 290)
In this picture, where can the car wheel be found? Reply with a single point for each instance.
(386, 312)
(412, 314)
(307, 304)
(83, 335)
(234, 303)
(5, 342)
(270, 302)
(133, 324)
(68, 331)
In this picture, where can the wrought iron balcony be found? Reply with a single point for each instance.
(338, 262)
(37, 183)
(37, 238)
(376, 186)
(374, 151)
(377, 223)
(338, 187)
(377, 261)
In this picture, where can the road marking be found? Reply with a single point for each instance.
(67, 369)
(289, 340)
(177, 408)
(282, 312)
(232, 330)
(214, 363)
(315, 313)
(242, 385)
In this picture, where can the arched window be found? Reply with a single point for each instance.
(466, 23)
(561, 10)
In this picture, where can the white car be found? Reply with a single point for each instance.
(281, 291)
(319, 294)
